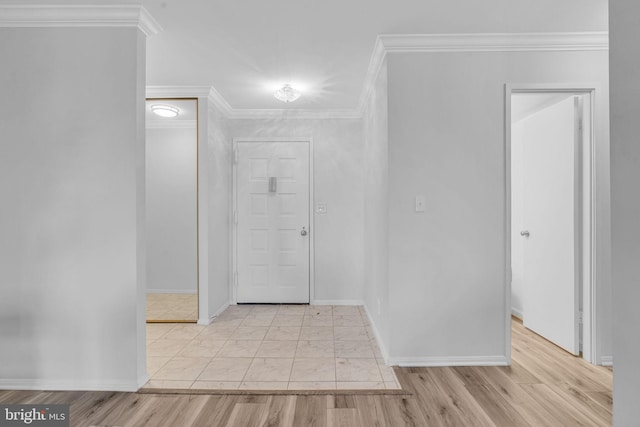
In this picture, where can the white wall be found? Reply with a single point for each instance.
(446, 142)
(171, 184)
(376, 220)
(218, 165)
(71, 235)
(625, 209)
(338, 182)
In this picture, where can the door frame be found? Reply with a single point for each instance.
(586, 239)
(199, 238)
(233, 244)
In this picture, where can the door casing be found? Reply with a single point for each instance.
(233, 283)
(199, 239)
(587, 260)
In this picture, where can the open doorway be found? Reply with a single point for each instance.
(549, 143)
(171, 156)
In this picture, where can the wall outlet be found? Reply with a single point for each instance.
(421, 203)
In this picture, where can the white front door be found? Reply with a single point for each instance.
(272, 224)
(551, 283)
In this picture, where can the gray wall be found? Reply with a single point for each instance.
(446, 142)
(338, 182)
(218, 168)
(71, 223)
(625, 207)
(376, 207)
(171, 209)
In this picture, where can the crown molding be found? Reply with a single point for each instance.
(404, 43)
(148, 24)
(495, 42)
(171, 124)
(375, 65)
(56, 16)
(475, 42)
(177, 91)
(293, 114)
(218, 100)
(275, 113)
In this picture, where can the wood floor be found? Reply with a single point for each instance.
(545, 386)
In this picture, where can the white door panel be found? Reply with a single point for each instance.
(550, 302)
(272, 204)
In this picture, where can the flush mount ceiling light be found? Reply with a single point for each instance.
(287, 94)
(165, 110)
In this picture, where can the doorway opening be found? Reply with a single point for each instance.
(171, 157)
(550, 204)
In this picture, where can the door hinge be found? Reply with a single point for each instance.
(580, 317)
(235, 156)
(235, 279)
(235, 217)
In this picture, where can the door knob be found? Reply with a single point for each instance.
(303, 232)
(524, 233)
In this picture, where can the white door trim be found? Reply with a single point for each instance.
(202, 245)
(589, 284)
(234, 243)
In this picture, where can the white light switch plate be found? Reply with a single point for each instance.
(421, 204)
(321, 208)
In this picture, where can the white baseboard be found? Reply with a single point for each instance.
(606, 360)
(143, 379)
(376, 333)
(172, 291)
(337, 302)
(449, 361)
(63, 385)
(516, 312)
(207, 321)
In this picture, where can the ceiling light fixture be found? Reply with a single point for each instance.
(165, 110)
(287, 94)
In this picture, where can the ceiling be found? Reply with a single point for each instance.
(247, 48)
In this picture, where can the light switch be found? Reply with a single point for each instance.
(321, 208)
(421, 204)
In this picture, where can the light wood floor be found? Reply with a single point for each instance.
(545, 386)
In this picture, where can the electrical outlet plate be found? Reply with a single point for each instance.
(321, 208)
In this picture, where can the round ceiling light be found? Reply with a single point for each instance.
(165, 110)
(287, 94)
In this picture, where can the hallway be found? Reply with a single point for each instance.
(269, 347)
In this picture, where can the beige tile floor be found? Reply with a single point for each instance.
(165, 307)
(272, 347)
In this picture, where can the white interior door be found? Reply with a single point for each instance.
(272, 230)
(551, 139)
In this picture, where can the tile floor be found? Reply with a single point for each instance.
(272, 347)
(163, 307)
